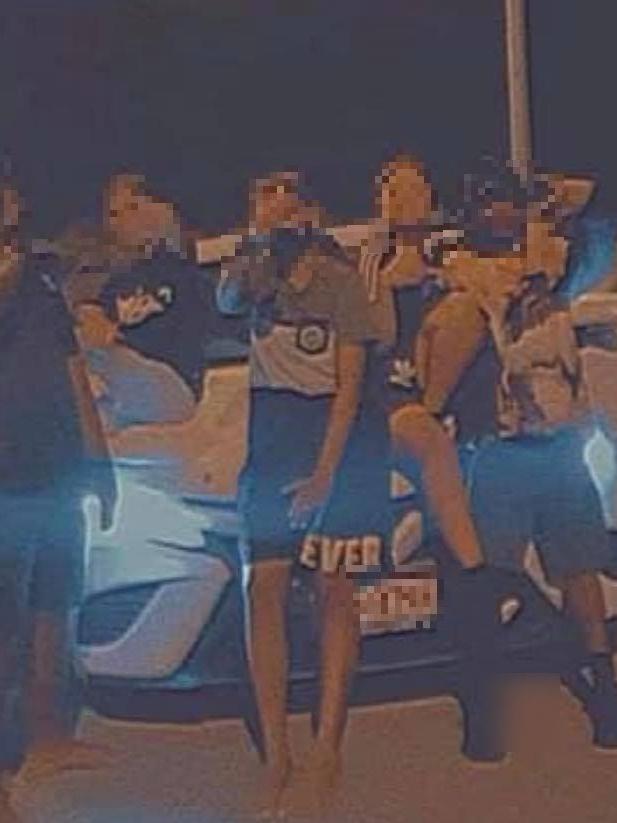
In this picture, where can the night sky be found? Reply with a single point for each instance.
(202, 95)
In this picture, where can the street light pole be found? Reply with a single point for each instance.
(521, 155)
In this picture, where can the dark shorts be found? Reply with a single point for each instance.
(42, 537)
(398, 396)
(285, 437)
(538, 490)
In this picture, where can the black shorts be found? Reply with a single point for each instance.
(286, 433)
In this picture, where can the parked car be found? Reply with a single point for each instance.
(160, 635)
(161, 630)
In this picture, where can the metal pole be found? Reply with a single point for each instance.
(518, 87)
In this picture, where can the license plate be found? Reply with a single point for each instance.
(398, 604)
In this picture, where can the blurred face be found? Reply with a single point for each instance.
(124, 195)
(275, 204)
(502, 216)
(11, 208)
(403, 194)
(10, 254)
(137, 219)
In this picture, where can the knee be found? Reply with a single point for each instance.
(415, 432)
(267, 587)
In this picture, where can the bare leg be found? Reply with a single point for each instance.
(7, 812)
(51, 662)
(339, 654)
(53, 747)
(450, 338)
(417, 434)
(593, 683)
(268, 657)
(584, 599)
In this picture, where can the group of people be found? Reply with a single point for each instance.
(362, 360)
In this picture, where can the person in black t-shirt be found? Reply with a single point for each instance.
(52, 455)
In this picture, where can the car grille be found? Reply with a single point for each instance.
(106, 617)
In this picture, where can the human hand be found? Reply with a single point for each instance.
(98, 385)
(309, 495)
(104, 489)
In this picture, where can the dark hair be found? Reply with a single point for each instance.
(404, 160)
(292, 181)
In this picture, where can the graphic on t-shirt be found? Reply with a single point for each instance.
(312, 337)
(354, 554)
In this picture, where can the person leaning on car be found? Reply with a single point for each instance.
(316, 481)
(52, 454)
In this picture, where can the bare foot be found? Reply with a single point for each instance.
(7, 812)
(46, 760)
(314, 789)
(275, 780)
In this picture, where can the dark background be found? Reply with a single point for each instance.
(202, 94)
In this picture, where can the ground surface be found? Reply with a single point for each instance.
(402, 764)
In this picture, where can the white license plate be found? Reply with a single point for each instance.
(398, 604)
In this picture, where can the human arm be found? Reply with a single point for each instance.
(353, 325)
(311, 493)
(243, 277)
